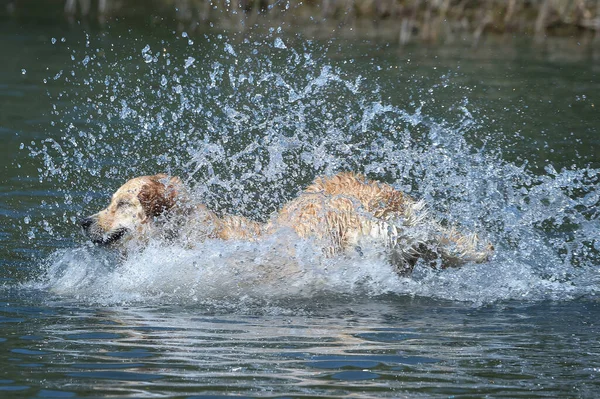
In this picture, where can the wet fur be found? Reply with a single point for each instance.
(343, 213)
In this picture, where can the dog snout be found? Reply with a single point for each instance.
(85, 223)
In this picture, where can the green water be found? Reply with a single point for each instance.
(523, 335)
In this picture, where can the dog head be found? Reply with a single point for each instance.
(134, 209)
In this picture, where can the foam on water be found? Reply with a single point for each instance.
(247, 125)
(277, 268)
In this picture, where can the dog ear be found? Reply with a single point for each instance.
(160, 194)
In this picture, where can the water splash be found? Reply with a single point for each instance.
(247, 124)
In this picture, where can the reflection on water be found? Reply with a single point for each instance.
(326, 347)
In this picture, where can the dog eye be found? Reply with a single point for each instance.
(121, 204)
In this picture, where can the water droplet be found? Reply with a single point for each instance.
(550, 170)
(230, 49)
(163, 80)
(53, 40)
(279, 43)
(189, 61)
(27, 219)
(23, 71)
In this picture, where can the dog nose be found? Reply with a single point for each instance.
(86, 223)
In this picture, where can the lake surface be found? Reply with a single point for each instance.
(502, 139)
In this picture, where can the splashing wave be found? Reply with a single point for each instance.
(247, 125)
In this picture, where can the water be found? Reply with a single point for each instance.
(500, 139)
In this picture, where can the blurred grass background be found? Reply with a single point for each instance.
(410, 20)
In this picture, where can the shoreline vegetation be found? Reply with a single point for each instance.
(408, 20)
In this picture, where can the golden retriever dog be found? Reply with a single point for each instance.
(342, 214)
